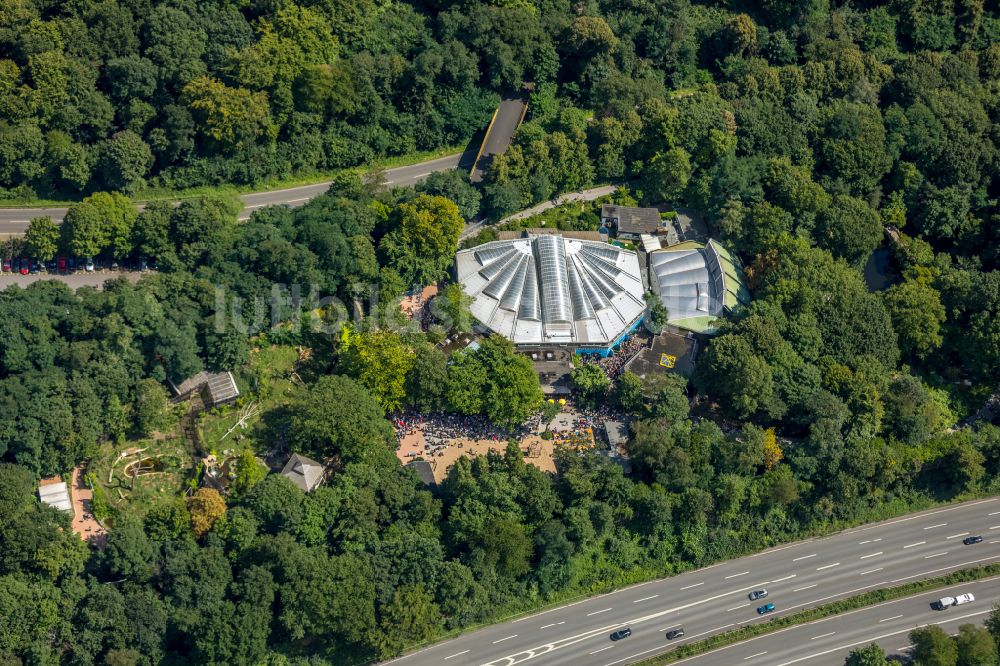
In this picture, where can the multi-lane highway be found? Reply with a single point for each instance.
(830, 640)
(714, 599)
(15, 220)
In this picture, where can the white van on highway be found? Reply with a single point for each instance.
(945, 602)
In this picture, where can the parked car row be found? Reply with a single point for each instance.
(63, 265)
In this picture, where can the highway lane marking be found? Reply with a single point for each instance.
(927, 557)
(645, 598)
(994, 542)
(537, 651)
(737, 607)
(633, 656)
(994, 513)
(737, 575)
(554, 624)
(457, 654)
(865, 573)
(934, 526)
(704, 633)
(925, 514)
(804, 557)
(298, 200)
(861, 543)
(894, 617)
(875, 639)
(807, 587)
(822, 636)
(828, 566)
(832, 596)
(997, 527)
(505, 639)
(955, 536)
(954, 566)
(778, 580)
(919, 543)
(695, 585)
(604, 610)
(865, 557)
(759, 654)
(602, 649)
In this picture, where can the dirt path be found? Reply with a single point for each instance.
(83, 520)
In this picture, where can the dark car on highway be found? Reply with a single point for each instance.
(766, 608)
(758, 594)
(621, 633)
(675, 633)
(968, 541)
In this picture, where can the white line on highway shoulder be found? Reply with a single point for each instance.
(744, 573)
(695, 585)
(865, 557)
(633, 656)
(870, 571)
(919, 543)
(759, 654)
(828, 566)
(930, 527)
(955, 536)
(822, 636)
(807, 587)
(505, 639)
(645, 598)
(737, 607)
(804, 557)
(894, 617)
(778, 580)
(927, 557)
(602, 649)
(603, 610)
(457, 654)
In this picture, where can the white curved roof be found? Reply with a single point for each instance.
(549, 289)
(691, 282)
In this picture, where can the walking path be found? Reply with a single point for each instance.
(584, 195)
(83, 520)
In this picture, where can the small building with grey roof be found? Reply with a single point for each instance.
(304, 472)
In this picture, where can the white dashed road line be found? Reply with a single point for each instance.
(927, 557)
(955, 536)
(737, 575)
(737, 607)
(603, 610)
(645, 598)
(865, 557)
(822, 636)
(695, 585)
(505, 639)
(804, 557)
(602, 649)
(894, 617)
(930, 527)
(828, 566)
(919, 543)
(759, 654)
(457, 654)
(870, 571)
(807, 587)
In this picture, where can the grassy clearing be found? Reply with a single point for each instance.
(268, 382)
(311, 178)
(172, 463)
(827, 610)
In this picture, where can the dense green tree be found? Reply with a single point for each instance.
(338, 418)
(873, 655)
(41, 239)
(975, 646)
(591, 385)
(933, 646)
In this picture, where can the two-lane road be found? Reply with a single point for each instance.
(15, 220)
(830, 640)
(714, 599)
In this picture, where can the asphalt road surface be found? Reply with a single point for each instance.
(830, 640)
(711, 600)
(74, 280)
(15, 220)
(508, 118)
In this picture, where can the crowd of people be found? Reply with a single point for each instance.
(440, 428)
(614, 364)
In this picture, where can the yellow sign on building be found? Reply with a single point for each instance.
(668, 361)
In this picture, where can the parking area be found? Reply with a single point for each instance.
(74, 280)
